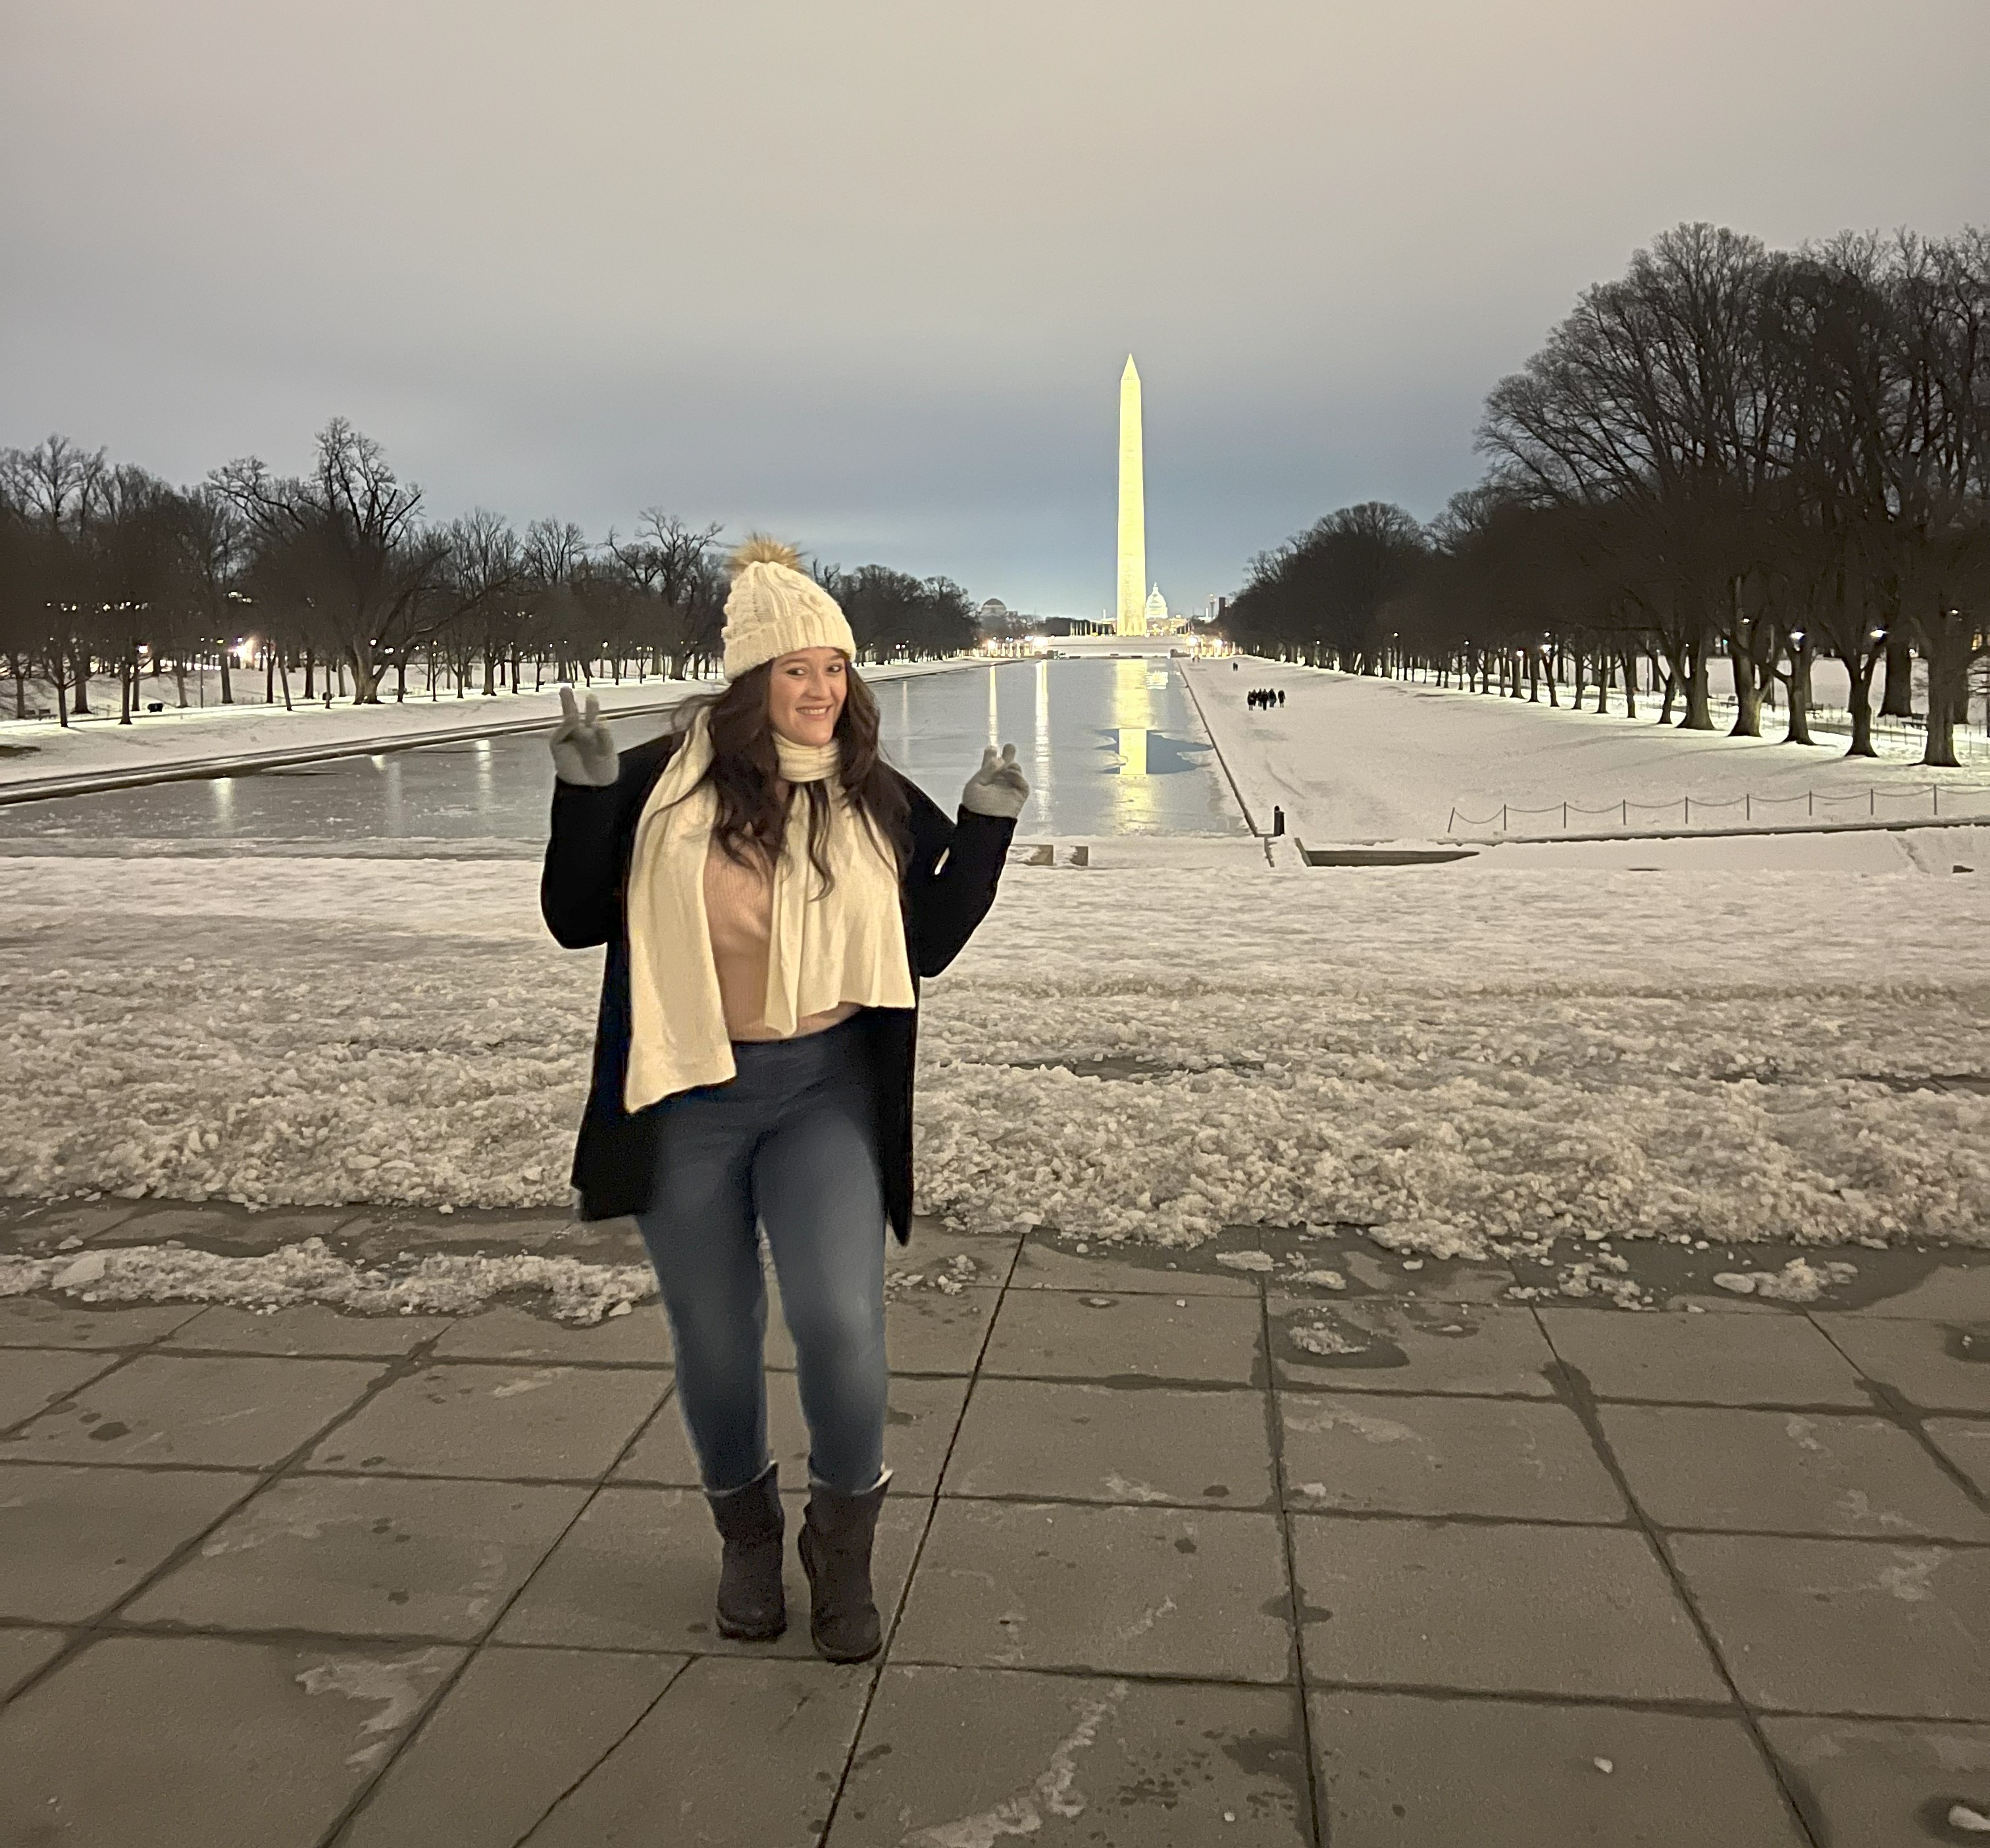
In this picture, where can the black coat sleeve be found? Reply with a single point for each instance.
(587, 851)
(950, 877)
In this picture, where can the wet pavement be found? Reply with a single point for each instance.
(1181, 1548)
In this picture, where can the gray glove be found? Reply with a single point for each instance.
(582, 751)
(998, 787)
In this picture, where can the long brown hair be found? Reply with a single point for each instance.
(745, 769)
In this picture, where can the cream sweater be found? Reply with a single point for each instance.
(739, 919)
(794, 961)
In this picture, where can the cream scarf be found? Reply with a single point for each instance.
(822, 951)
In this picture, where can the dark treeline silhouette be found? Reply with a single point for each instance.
(335, 581)
(1733, 452)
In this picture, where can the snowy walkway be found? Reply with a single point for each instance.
(40, 758)
(1351, 758)
(1179, 1550)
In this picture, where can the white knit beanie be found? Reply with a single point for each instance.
(775, 607)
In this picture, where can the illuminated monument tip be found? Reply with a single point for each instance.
(1133, 609)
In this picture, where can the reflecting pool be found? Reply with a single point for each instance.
(1110, 747)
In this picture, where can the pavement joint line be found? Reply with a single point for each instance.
(446, 1685)
(608, 1752)
(1895, 1406)
(575, 1364)
(1298, 1511)
(375, 1640)
(1275, 1435)
(260, 1479)
(1571, 1379)
(885, 1650)
(116, 1363)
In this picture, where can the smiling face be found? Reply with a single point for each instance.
(805, 695)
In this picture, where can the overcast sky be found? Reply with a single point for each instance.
(865, 273)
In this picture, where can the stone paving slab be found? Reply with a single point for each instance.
(229, 1412)
(1966, 1443)
(469, 1418)
(1767, 1360)
(75, 1541)
(1393, 1347)
(355, 1556)
(1858, 1781)
(959, 1755)
(1952, 1292)
(1847, 1626)
(194, 1742)
(1786, 1472)
(1939, 1366)
(1058, 1334)
(733, 1751)
(31, 1379)
(641, 1338)
(1476, 1612)
(518, 1730)
(920, 1423)
(309, 1328)
(1507, 1608)
(23, 1652)
(1404, 1771)
(42, 1322)
(638, 1569)
(1140, 1590)
(1041, 1265)
(217, 1225)
(1049, 1439)
(43, 1225)
(1521, 1459)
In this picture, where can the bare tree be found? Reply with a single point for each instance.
(347, 541)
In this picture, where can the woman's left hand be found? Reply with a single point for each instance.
(998, 787)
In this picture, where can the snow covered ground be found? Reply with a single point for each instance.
(1469, 1059)
(36, 749)
(1353, 760)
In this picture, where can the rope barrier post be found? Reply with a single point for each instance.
(1625, 819)
(1564, 817)
(1873, 801)
(1934, 789)
(1502, 818)
(1810, 799)
(1689, 811)
(1748, 807)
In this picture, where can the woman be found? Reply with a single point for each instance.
(769, 892)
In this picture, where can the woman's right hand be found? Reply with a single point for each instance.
(583, 752)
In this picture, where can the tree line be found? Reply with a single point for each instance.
(1728, 453)
(336, 580)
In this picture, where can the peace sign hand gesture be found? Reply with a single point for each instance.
(998, 787)
(583, 752)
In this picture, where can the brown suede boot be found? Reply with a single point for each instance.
(751, 1606)
(835, 1545)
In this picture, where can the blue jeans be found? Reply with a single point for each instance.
(787, 1145)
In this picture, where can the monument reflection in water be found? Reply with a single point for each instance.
(1111, 746)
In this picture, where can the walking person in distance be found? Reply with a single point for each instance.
(769, 892)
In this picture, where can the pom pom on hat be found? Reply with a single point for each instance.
(775, 607)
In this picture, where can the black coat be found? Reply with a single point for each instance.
(951, 872)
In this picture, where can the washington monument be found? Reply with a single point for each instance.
(1132, 611)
